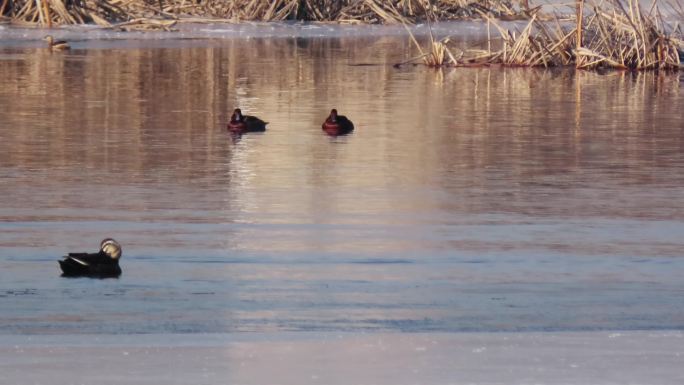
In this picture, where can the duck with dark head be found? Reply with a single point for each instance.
(104, 263)
(336, 125)
(241, 124)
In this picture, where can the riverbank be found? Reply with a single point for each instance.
(59, 12)
(607, 357)
(607, 37)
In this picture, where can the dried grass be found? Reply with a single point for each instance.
(617, 35)
(624, 36)
(107, 12)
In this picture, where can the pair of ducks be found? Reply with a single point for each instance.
(333, 125)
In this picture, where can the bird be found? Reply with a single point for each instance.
(104, 263)
(336, 125)
(245, 123)
(56, 45)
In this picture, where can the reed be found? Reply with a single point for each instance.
(109, 12)
(614, 34)
(625, 36)
(437, 53)
(48, 13)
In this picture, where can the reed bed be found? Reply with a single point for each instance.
(612, 34)
(126, 14)
(626, 37)
(110, 12)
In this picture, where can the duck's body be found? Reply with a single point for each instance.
(56, 45)
(104, 263)
(245, 123)
(336, 125)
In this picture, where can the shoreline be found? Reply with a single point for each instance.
(606, 357)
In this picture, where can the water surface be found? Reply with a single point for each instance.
(483, 199)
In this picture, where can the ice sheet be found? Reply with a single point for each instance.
(311, 358)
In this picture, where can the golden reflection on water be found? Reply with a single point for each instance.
(152, 123)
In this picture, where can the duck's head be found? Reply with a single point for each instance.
(49, 39)
(111, 247)
(333, 115)
(237, 116)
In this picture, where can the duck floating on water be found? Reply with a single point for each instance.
(56, 45)
(240, 124)
(102, 264)
(336, 125)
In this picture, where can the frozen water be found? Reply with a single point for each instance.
(337, 358)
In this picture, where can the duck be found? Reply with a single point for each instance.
(245, 123)
(104, 263)
(336, 124)
(56, 45)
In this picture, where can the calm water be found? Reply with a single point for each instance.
(466, 200)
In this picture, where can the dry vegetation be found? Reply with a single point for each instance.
(107, 12)
(616, 34)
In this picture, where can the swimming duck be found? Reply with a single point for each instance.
(56, 45)
(336, 125)
(245, 123)
(104, 263)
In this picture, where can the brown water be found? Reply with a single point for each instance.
(482, 199)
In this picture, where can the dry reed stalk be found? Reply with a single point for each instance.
(580, 18)
(438, 52)
(46, 12)
(3, 7)
(435, 56)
